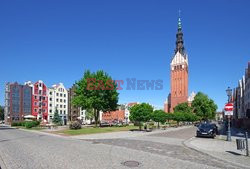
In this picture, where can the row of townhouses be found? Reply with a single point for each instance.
(39, 101)
(241, 100)
(35, 99)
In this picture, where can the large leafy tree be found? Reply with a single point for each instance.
(159, 116)
(97, 91)
(141, 113)
(183, 107)
(203, 106)
(1, 113)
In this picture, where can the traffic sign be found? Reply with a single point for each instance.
(229, 109)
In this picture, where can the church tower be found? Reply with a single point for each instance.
(179, 74)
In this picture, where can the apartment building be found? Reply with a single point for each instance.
(18, 99)
(58, 100)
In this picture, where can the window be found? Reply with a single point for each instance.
(50, 99)
(61, 95)
(50, 111)
(57, 100)
(35, 110)
(60, 106)
(64, 100)
(64, 95)
(35, 103)
(35, 97)
(50, 93)
(64, 112)
(50, 105)
(57, 94)
(60, 100)
(64, 106)
(40, 91)
(44, 98)
(60, 111)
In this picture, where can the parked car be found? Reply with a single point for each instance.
(206, 130)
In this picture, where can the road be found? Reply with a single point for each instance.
(32, 150)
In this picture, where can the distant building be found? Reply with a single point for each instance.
(58, 100)
(39, 100)
(122, 114)
(18, 99)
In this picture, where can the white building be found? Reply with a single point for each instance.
(58, 99)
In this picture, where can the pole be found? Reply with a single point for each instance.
(228, 129)
(228, 125)
(247, 151)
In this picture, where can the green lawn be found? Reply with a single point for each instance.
(93, 130)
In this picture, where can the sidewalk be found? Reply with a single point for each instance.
(220, 149)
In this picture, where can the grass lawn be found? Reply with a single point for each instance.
(92, 130)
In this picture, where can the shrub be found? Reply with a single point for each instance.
(15, 124)
(29, 125)
(75, 125)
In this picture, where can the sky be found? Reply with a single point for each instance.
(56, 41)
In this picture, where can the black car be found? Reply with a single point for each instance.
(206, 130)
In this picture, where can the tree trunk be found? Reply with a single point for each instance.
(158, 125)
(96, 114)
(140, 126)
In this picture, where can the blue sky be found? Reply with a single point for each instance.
(55, 41)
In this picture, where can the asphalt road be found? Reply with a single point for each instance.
(31, 150)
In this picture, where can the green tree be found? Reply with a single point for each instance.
(178, 117)
(57, 119)
(159, 116)
(1, 113)
(141, 113)
(204, 107)
(183, 107)
(96, 91)
(90, 114)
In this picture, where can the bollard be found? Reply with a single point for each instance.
(247, 151)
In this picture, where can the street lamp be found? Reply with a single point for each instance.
(229, 94)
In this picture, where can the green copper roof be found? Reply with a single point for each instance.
(179, 23)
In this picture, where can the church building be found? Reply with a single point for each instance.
(179, 74)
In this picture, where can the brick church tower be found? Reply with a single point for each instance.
(179, 74)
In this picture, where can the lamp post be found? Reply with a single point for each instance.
(229, 94)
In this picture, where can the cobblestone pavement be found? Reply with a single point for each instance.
(173, 150)
(31, 150)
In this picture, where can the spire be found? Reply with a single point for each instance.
(179, 19)
(179, 37)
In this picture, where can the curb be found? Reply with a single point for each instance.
(187, 144)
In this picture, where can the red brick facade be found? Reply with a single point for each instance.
(179, 85)
(118, 115)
